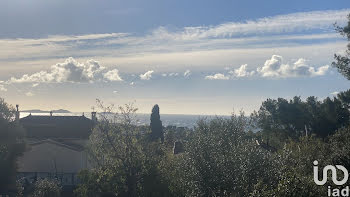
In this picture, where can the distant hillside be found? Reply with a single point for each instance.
(42, 111)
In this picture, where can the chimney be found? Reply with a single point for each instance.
(93, 116)
(17, 113)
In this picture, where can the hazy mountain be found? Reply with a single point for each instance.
(43, 111)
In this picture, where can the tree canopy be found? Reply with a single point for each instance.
(342, 61)
(11, 146)
(294, 118)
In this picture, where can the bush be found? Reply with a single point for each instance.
(47, 188)
(220, 160)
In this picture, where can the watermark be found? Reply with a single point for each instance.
(333, 169)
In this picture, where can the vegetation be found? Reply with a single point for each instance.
(46, 188)
(282, 119)
(222, 157)
(11, 146)
(156, 125)
(126, 159)
(220, 160)
(342, 61)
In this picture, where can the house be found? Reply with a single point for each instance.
(57, 127)
(55, 147)
(52, 159)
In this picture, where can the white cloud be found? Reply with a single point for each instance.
(334, 93)
(295, 22)
(271, 67)
(322, 70)
(147, 75)
(217, 76)
(112, 75)
(187, 73)
(2, 88)
(201, 47)
(70, 71)
(198, 46)
(64, 38)
(242, 71)
(274, 67)
(29, 94)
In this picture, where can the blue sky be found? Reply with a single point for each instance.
(190, 57)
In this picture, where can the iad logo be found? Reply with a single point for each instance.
(333, 170)
(334, 174)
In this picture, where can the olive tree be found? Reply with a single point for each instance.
(123, 158)
(220, 159)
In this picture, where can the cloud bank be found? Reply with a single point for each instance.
(70, 71)
(275, 68)
(295, 22)
(267, 31)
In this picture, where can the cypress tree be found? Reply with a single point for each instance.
(156, 125)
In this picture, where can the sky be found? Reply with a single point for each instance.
(190, 57)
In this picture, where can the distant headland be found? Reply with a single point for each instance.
(43, 111)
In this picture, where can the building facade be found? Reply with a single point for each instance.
(55, 148)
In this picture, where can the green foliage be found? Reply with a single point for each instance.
(340, 147)
(6, 111)
(47, 188)
(126, 163)
(295, 172)
(96, 182)
(20, 189)
(11, 146)
(156, 125)
(173, 134)
(344, 98)
(282, 119)
(222, 157)
(295, 185)
(342, 62)
(220, 160)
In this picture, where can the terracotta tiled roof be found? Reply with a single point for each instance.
(42, 127)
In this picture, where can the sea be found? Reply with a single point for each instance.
(178, 120)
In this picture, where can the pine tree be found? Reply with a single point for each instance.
(342, 62)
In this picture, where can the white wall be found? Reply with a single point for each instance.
(50, 157)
